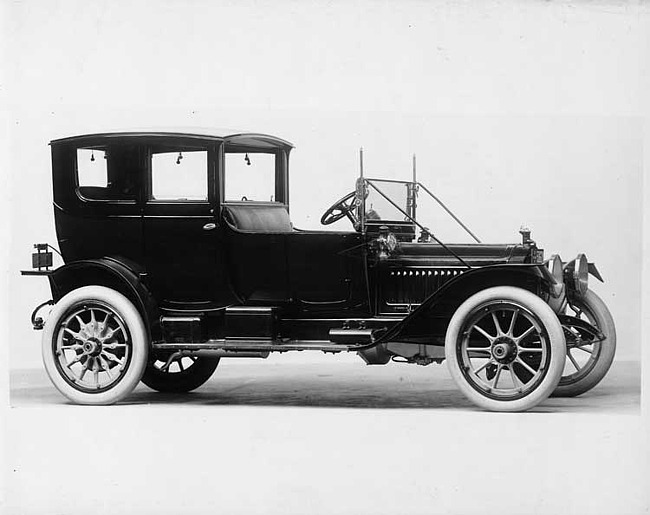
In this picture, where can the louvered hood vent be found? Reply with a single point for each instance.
(405, 289)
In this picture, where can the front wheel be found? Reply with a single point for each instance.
(589, 356)
(95, 346)
(505, 349)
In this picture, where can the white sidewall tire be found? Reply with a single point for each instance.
(550, 323)
(139, 345)
(605, 323)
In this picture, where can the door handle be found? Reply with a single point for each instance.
(209, 226)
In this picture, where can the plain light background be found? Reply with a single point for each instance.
(519, 113)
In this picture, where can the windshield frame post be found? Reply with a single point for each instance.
(411, 194)
(361, 194)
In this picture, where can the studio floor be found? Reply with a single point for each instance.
(340, 383)
(321, 436)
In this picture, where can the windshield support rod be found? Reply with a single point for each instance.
(449, 211)
(424, 229)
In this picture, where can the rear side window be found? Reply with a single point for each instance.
(91, 168)
(179, 175)
(108, 173)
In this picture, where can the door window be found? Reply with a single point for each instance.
(181, 175)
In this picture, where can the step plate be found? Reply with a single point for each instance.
(261, 345)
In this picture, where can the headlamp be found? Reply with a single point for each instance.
(576, 274)
(554, 265)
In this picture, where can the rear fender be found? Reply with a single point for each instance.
(428, 323)
(120, 275)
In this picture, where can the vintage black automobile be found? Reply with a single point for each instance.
(178, 251)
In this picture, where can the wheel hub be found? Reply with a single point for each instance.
(92, 347)
(504, 350)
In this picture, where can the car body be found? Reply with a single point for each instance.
(178, 251)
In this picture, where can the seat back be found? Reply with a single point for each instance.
(260, 218)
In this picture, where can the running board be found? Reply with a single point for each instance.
(231, 346)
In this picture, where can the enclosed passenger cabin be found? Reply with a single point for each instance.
(152, 197)
(104, 183)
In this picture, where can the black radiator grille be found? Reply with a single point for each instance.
(410, 286)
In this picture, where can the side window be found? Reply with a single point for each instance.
(108, 173)
(180, 175)
(92, 173)
(249, 176)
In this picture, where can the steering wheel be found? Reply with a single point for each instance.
(342, 208)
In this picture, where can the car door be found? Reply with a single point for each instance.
(256, 221)
(183, 254)
(327, 271)
(256, 260)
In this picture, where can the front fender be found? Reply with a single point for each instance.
(428, 323)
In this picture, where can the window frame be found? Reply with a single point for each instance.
(181, 145)
(280, 176)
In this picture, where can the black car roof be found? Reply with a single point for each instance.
(227, 135)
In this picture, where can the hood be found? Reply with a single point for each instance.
(478, 254)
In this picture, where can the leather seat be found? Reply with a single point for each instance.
(260, 218)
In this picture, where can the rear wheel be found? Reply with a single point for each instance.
(505, 349)
(589, 356)
(95, 346)
(180, 375)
